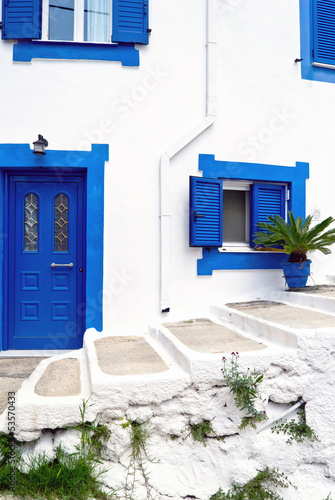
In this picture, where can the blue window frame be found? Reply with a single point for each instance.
(317, 40)
(19, 158)
(22, 21)
(268, 184)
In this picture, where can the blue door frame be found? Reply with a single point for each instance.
(19, 158)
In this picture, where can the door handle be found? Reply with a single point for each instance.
(62, 265)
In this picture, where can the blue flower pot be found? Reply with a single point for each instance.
(296, 273)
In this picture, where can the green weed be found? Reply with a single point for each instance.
(201, 431)
(66, 477)
(92, 435)
(258, 488)
(139, 439)
(244, 386)
(297, 430)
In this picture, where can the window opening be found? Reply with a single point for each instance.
(30, 223)
(236, 214)
(77, 20)
(61, 19)
(96, 21)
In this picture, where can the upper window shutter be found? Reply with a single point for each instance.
(265, 200)
(21, 19)
(130, 21)
(324, 31)
(205, 212)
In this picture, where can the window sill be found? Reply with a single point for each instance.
(215, 260)
(25, 51)
(243, 249)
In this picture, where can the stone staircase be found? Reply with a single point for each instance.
(113, 371)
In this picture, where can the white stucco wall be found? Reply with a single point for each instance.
(265, 113)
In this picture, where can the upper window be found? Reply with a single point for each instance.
(120, 21)
(317, 36)
(83, 21)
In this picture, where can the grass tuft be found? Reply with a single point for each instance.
(66, 477)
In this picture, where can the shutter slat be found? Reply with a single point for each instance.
(324, 31)
(22, 19)
(206, 200)
(266, 199)
(130, 21)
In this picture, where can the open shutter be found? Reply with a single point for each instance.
(130, 21)
(21, 19)
(324, 31)
(265, 199)
(205, 212)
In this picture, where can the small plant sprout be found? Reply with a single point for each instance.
(201, 431)
(244, 386)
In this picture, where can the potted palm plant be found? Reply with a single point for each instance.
(297, 238)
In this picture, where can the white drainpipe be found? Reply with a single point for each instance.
(181, 144)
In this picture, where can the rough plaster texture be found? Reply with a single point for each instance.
(189, 391)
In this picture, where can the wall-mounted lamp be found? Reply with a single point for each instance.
(40, 145)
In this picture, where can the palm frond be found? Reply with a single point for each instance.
(296, 235)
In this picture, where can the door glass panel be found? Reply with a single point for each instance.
(30, 223)
(61, 229)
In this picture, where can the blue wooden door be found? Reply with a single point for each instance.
(46, 263)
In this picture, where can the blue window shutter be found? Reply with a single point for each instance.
(324, 31)
(205, 212)
(130, 21)
(21, 19)
(265, 200)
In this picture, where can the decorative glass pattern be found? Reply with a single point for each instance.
(30, 223)
(61, 230)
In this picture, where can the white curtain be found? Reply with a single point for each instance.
(97, 19)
